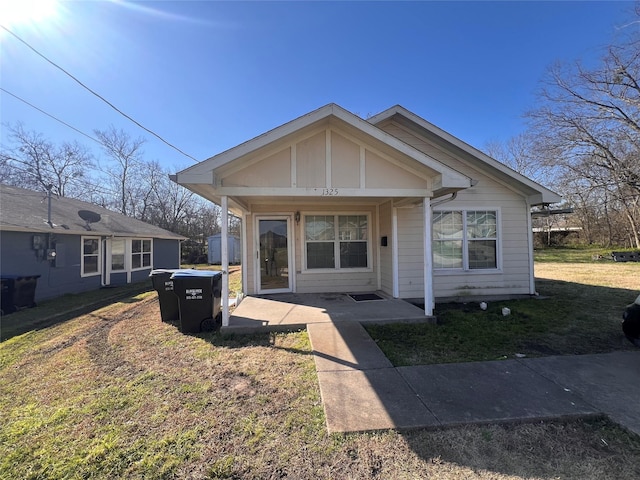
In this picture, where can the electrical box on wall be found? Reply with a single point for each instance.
(383, 241)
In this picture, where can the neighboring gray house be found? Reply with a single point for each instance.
(333, 203)
(78, 246)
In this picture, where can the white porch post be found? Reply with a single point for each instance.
(428, 259)
(224, 254)
(394, 252)
(532, 279)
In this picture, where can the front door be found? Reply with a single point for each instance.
(274, 256)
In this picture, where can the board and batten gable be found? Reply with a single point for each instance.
(323, 158)
(512, 277)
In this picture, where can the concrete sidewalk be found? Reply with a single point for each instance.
(362, 391)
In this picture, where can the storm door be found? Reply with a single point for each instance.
(274, 256)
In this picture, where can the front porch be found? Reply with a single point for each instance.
(291, 311)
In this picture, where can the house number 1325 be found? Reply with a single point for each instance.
(329, 192)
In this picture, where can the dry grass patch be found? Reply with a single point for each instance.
(118, 394)
(602, 274)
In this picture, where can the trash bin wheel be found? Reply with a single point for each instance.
(208, 325)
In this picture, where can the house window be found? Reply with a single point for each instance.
(466, 239)
(90, 264)
(336, 241)
(140, 253)
(118, 250)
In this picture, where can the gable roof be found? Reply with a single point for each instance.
(202, 173)
(536, 192)
(24, 210)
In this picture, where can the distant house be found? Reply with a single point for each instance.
(78, 246)
(333, 203)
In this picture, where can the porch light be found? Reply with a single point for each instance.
(296, 217)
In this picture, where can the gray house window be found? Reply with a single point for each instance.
(140, 253)
(90, 261)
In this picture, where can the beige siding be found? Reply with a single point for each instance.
(249, 263)
(273, 171)
(386, 253)
(513, 278)
(345, 162)
(382, 174)
(311, 161)
(410, 253)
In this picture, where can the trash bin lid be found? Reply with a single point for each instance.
(196, 273)
(160, 271)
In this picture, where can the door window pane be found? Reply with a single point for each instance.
(117, 254)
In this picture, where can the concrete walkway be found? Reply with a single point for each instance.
(362, 391)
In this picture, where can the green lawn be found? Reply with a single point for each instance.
(578, 312)
(115, 393)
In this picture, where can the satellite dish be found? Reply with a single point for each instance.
(89, 217)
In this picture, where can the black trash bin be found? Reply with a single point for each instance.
(18, 291)
(631, 322)
(162, 283)
(199, 295)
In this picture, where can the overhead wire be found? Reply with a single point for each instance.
(97, 94)
(51, 116)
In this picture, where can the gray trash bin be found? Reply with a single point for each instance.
(199, 295)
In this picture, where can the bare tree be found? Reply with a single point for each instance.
(588, 124)
(519, 153)
(125, 172)
(34, 162)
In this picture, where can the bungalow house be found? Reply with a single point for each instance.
(76, 246)
(334, 203)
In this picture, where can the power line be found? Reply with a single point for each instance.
(97, 94)
(52, 116)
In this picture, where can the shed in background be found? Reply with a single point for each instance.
(215, 249)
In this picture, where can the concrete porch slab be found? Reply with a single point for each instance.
(292, 310)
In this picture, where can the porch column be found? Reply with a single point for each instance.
(428, 259)
(224, 254)
(394, 252)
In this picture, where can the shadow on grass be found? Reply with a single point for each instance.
(67, 307)
(572, 449)
(566, 319)
(238, 340)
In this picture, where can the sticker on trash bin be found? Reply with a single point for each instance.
(193, 294)
(168, 285)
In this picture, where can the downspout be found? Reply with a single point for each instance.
(445, 200)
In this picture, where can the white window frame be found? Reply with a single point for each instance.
(336, 242)
(98, 255)
(141, 253)
(465, 241)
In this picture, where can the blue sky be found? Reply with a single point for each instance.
(207, 76)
